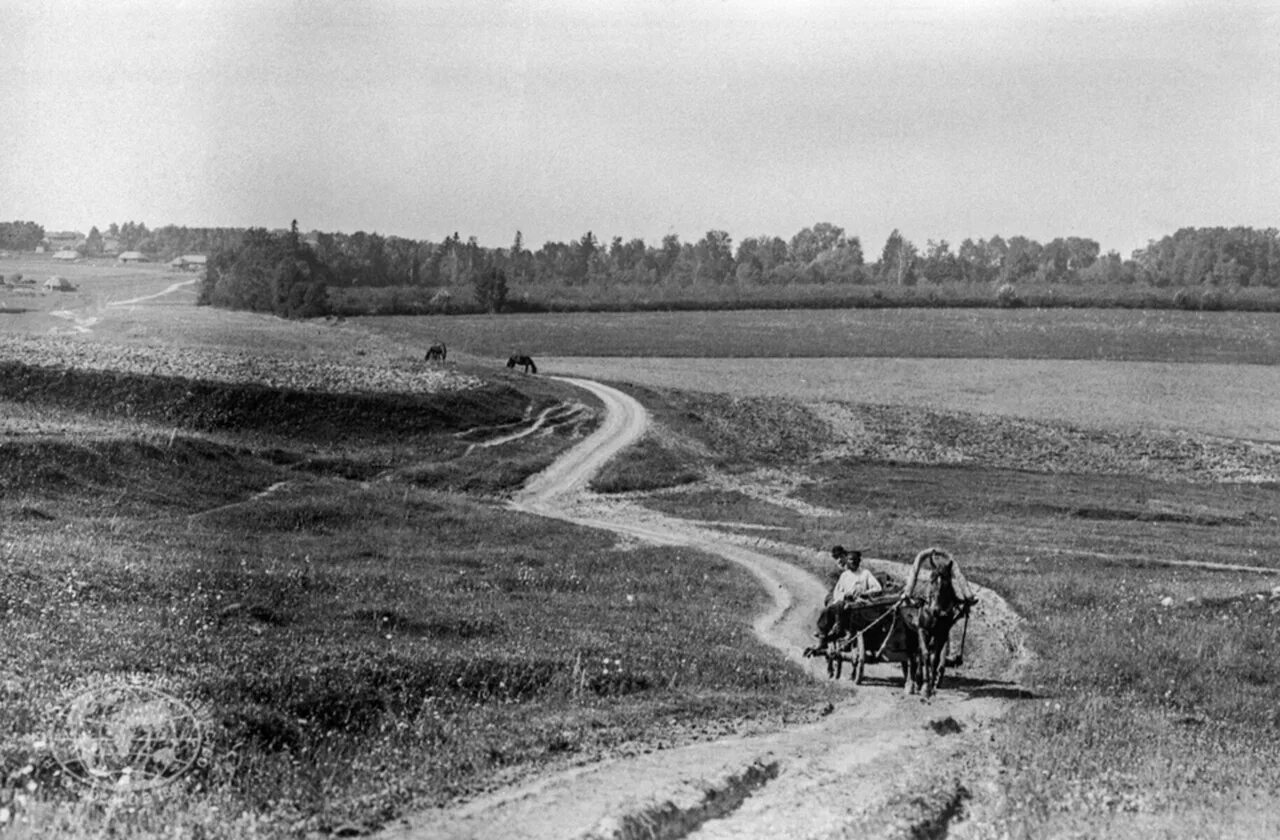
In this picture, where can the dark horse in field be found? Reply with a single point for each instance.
(437, 351)
(932, 618)
(524, 362)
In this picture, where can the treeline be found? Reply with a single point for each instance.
(821, 254)
(1218, 257)
(268, 272)
(375, 274)
(20, 236)
(458, 274)
(163, 243)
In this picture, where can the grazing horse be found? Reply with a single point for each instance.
(932, 619)
(522, 361)
(437, 351)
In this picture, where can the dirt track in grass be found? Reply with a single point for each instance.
(843, 775)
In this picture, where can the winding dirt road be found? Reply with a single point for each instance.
(848, 774)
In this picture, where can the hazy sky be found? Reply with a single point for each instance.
(1120, 121)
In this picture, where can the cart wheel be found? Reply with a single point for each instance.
(860, 664)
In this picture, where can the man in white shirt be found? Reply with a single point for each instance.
(854, 581)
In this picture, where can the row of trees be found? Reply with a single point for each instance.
(242, 260)
(1212, 256)
(20, 236)
(163, 242)
(823, 253)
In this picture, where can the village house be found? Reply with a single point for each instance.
(66, 240)
(190, 262)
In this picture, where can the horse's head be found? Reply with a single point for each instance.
(942, 592)
(511, 362)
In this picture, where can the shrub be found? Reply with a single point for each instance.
(1007, 296)
(1211, 300)
(1183, 299)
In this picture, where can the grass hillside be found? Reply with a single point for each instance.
(304, 542)
(1146, 565)
(325, 577)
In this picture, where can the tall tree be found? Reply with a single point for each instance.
(93, 243)
(897, 261)
(714, 257)
(490, 287)
(940, 265)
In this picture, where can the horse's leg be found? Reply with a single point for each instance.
(922, 674)
(942, 664)
(930, 672)
(939, 663)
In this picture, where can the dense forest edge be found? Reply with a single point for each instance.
(293, 274)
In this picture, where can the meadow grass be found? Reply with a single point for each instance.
(360, 648)
(127, 550)
(1151, 694)
(1110, 334)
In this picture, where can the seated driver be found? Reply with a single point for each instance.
(853, 584)
(854, 581)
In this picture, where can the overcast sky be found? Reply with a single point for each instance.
(1119, 121)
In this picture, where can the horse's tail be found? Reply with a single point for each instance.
(532, 367)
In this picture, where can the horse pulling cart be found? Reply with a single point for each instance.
(914, 631)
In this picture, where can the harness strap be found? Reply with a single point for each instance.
(889, 635)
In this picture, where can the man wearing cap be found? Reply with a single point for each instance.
(854, 581)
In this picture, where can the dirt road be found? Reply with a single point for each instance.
(860, 769)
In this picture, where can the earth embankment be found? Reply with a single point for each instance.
(206, 404)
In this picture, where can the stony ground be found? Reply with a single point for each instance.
(374, 375)
(922, 436)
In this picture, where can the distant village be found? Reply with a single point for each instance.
(71, 245)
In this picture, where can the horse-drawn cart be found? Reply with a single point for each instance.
(864, 632)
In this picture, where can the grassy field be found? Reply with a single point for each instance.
(1111, 335)
(1150, 706)
(376, 633)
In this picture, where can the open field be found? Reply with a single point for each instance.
(1238, 401)
(370, 631)
(1084, 334)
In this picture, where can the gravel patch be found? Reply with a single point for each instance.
(380, 377)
